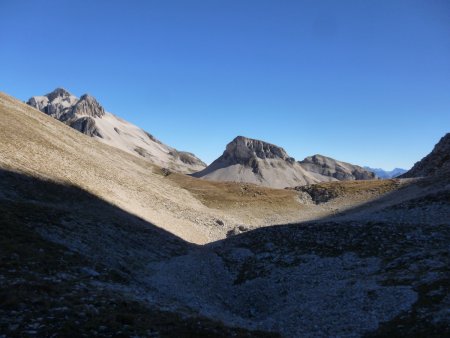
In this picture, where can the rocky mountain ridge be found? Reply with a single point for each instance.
(86, 115)
(259, 162)
(342, 171)
(435, 163)
(242, 150)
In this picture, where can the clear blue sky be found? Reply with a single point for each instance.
(366, 82)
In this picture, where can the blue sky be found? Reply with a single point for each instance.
(366, 82)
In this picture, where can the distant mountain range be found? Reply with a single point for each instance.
(386, 174)
(86, 115)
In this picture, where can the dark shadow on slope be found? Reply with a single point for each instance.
(64, 212)
(412, 192)
(339, 233)
(125, 243)
(48, 290)
(410, 254)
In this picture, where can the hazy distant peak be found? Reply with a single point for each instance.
(381, 173)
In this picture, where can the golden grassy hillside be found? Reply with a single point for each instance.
(37, 145)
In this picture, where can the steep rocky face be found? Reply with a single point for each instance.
(187, 158)
(86, 115)
(87, 126)
(342, 171)
(58, 104)
(244, 150)
(88, 105)
(254, 161)
(258, 162)
(437, 162)
(58, 93)
(64, 106)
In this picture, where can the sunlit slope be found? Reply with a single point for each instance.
(38, 145)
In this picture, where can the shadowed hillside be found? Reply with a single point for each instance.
(80, 286)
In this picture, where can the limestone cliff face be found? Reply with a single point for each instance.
(58, 104)
(243, 150)
(88, 105)
(254, 161)
(436, 162)
(66, 107)
(342, 171)
(87, 115)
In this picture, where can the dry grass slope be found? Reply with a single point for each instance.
(40, 146)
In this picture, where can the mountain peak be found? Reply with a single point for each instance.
(86, 115)
(88, 105)
(88, 97)
(58, 92)
(333, 168)
(242, 149)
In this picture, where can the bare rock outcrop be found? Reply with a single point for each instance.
(87, 115)
(243, 150)
(258, 162)
(66, 107)
(435, 163)
(254, 161)
(58, 104)
(88, 105)
(87, 126)
(342, 171)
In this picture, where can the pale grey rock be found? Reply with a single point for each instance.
(244, 150)
(58, 104)
(88, 105)
(437, 162)
(86, 125)
(248, 160)
(86, 115)
(187, 158)
(77, 113)
(342, 171)
(58, 92)
(38, 102)
(254, 161)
